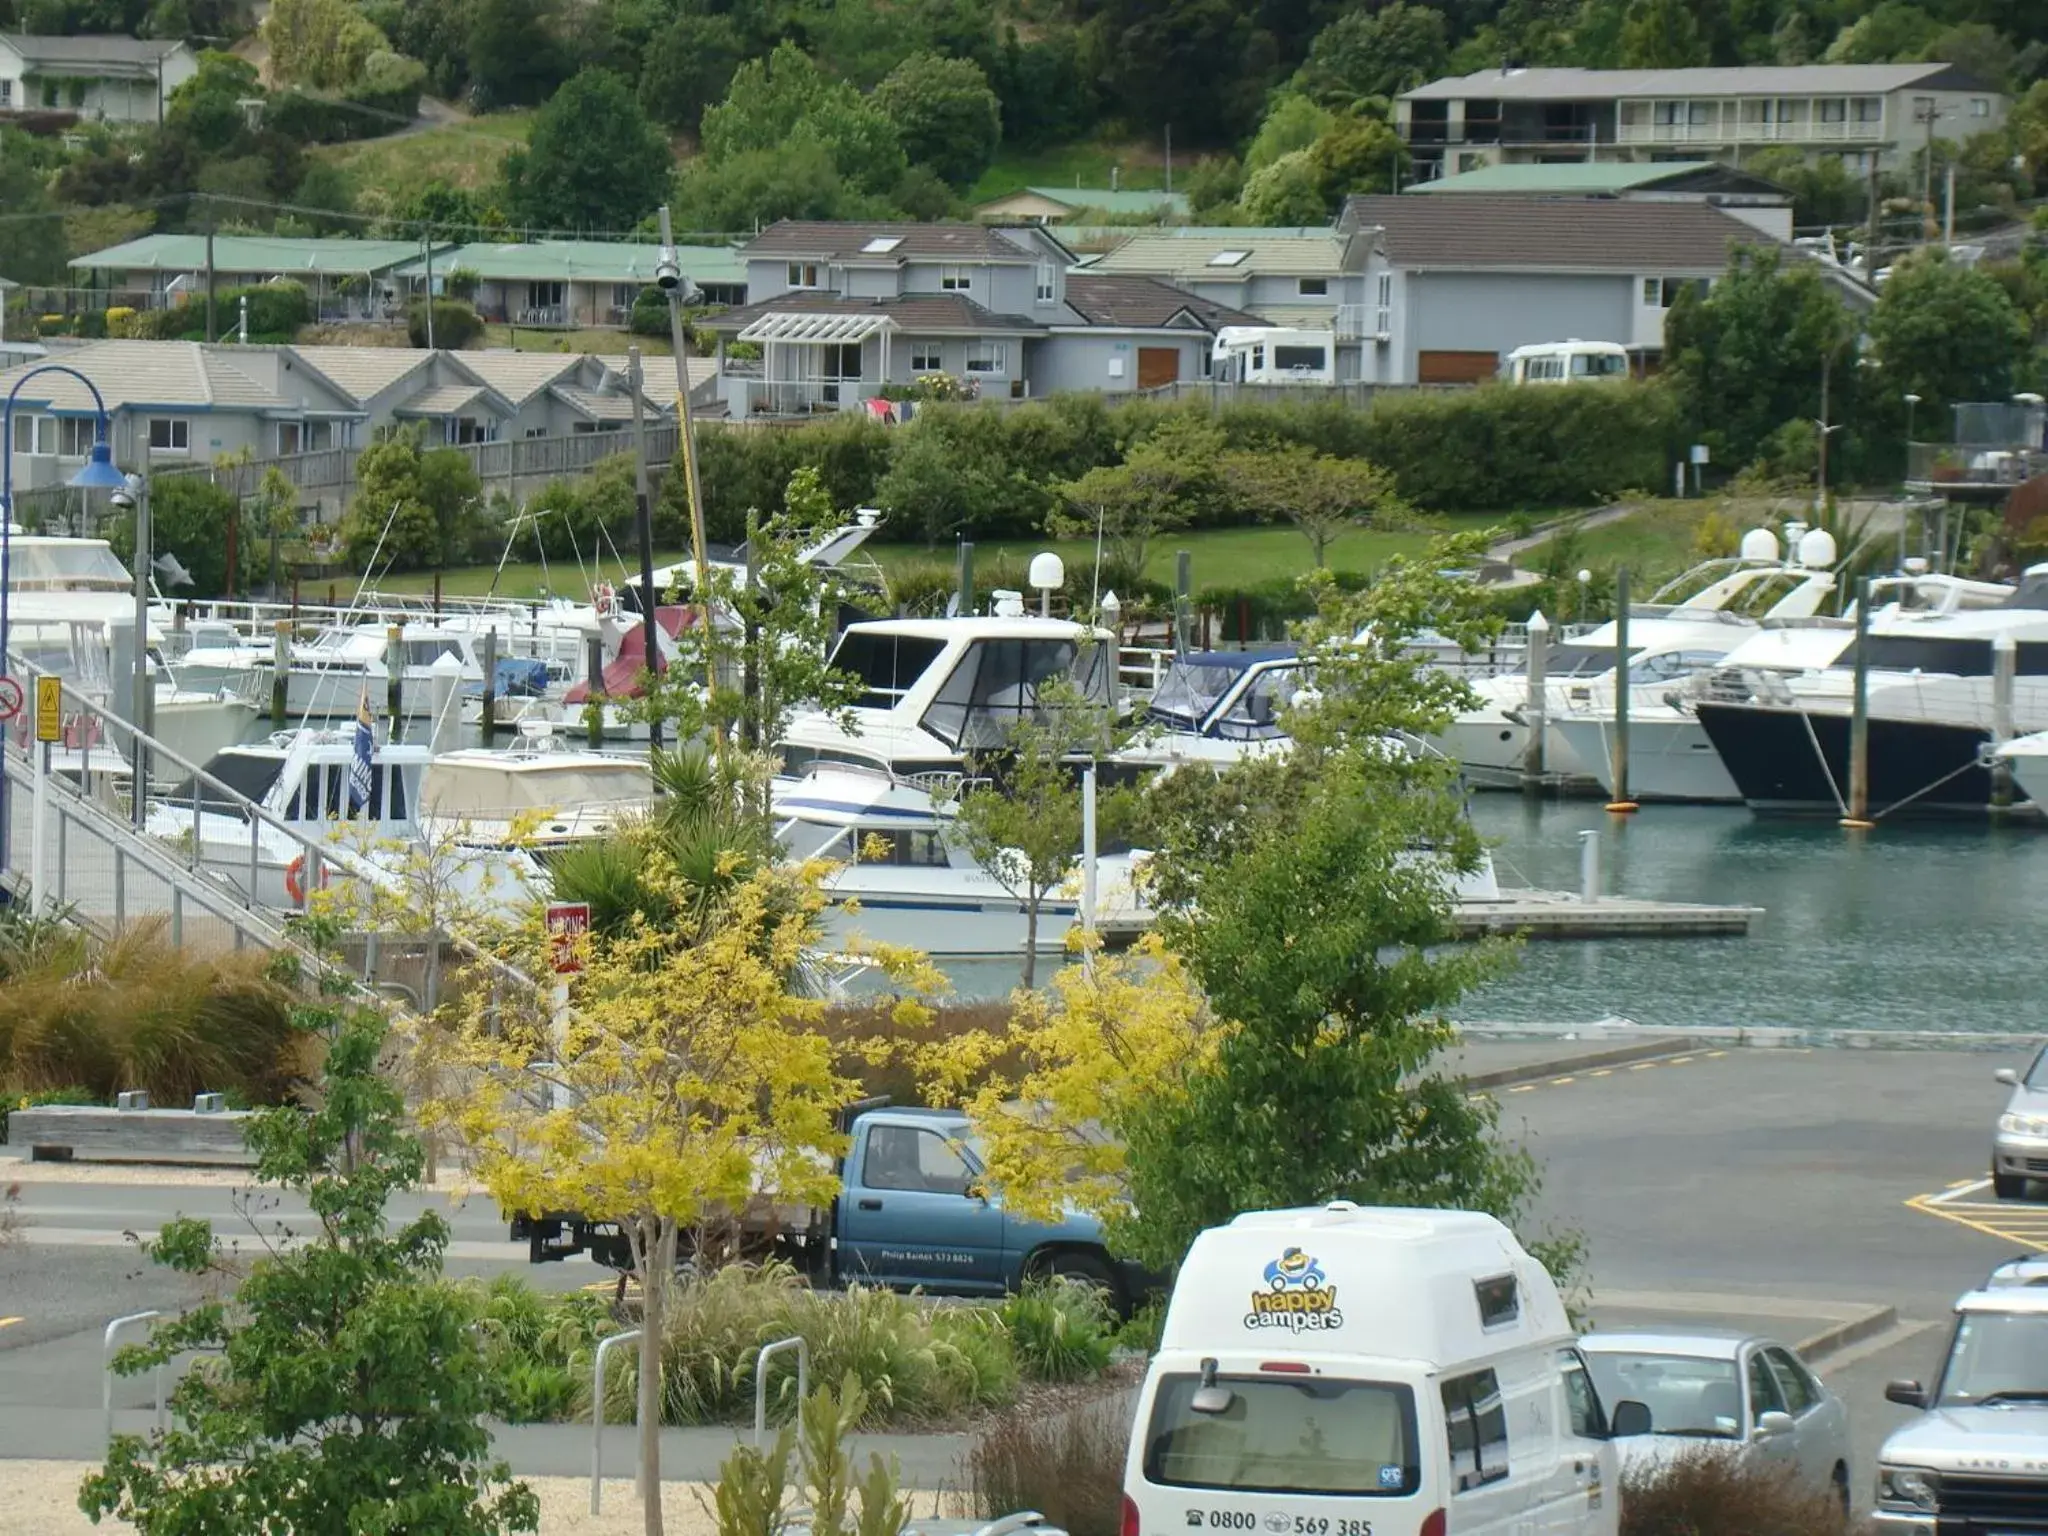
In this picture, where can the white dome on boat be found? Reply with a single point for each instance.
(1760, 544)
(1817, 549)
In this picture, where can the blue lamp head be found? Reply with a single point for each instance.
(98, 472)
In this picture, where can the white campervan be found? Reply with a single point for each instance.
(1355, 1371)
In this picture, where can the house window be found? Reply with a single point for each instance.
(988, 357)
(49, 93)
(168, 434)
(1867, 109)
(291, 438)
(804, 274)
(623, 295)
(1663, 292)
(955, 279)
(6, 93)
(35, 434)
(1046, 292)
(1314, 287)
(1386, 290)
(544, 295)
(925, 357)
(1834, 110)
(1980, 106)
(75, 436)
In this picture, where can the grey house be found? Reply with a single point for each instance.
(1305, 279)
(99, 79)
(842, 312)
(1469, 278)
(177, 403)
(1864, 115)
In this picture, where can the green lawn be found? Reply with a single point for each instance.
(463, 154)
(1655, 541)
(606, 341)
(1086, 164)
(1232, 556)
(1220, 556)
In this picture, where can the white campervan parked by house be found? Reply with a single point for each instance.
(1354, 1371)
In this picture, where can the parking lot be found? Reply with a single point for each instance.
(1781, 1191)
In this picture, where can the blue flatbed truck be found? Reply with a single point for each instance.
(907, 1215)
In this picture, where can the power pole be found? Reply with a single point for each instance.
(643, 509)
(1871, 227)
(427, 246)
(1927, 117)
(211, 333)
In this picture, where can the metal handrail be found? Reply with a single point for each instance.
(597, 1418)
(802, 1347)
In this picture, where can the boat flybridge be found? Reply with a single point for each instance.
(1689, 625)
(1217, 707)
(1670, 756)
(1947, 691)
(545, 793)
(936, 692)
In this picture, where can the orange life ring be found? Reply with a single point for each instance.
(295, 879)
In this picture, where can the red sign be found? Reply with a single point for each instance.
(568, 925)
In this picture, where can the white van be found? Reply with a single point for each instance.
(1353, 1371)
(1566, 362)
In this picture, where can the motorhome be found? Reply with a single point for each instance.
(1359, 1371)
(1271, 354)
(1566, 362)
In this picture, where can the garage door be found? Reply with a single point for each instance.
(1455, 367)
(1158, 366)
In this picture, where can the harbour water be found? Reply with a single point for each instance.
(1906, 927)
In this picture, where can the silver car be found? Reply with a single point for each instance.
(2019, 1149)
(1711, 1388)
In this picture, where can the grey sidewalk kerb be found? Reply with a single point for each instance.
(1579, 1061)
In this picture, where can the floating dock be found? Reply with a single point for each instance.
(1538, 914)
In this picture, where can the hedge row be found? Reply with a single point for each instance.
(963, 470)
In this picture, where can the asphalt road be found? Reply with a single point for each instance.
(1780, 1191)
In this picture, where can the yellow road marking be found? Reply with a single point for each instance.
(1524, 1088)
(8, 1321)
(1603, 1072)
(1559, 1082)
(1680, 1061)
(2019, 1227)
(1642, 1066)
(1715, 1055)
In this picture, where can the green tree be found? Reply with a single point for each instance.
(1366, 55)
(1360, 153)
(32, 244)
(945, 114)
(1894, 30)
(758, 186)
(1168, 479)
(1021, 821)
(1292, 123)
(593, 160)
(1287, 192)
(207, 109)
(412, 504)
(1202, 65)
(1824, 191)
(321, 43)
(785, 103)
(1946, 333)
(350, 1392)
(513, 54)
(687, 67)
(1745, 356)
(1310, 897)
(188, 520)
(1661, 34)
(1321, 494)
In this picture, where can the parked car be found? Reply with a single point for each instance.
(1710, 1388)
(2019, 1147)
(1975, 1458)
(2027, 1269)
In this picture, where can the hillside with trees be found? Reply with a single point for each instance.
(744, 111)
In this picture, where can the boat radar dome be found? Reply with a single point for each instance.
(1047, 572)
(1817, 549)
(1760, 544)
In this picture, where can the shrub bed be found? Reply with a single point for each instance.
(1710, 1494)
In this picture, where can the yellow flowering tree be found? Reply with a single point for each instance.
(1052, 1092)
(686, 1084)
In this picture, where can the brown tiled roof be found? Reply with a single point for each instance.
(1544, 234)
(844, 242)
(912, 312)
(1103, 298)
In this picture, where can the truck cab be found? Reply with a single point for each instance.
(913, 1212)
(1976, 1459)
(1349, 1371)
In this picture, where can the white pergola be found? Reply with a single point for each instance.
(800, 328)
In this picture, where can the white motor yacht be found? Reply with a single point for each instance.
(1668, 643)
(545, 792)
(1216, 707)
(329, 675)
(937, 691)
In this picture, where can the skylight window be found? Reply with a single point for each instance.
(1228, 258)
(881, 245)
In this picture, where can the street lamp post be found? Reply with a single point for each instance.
(96, 474)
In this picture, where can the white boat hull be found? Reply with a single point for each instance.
(940, 924)
(1669, 757)
(1493, 750)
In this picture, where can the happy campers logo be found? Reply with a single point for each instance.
(1297, 1296)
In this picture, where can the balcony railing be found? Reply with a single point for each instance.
(1739, 132)
(800, 397)
(1358, 321)
(1964, 467)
